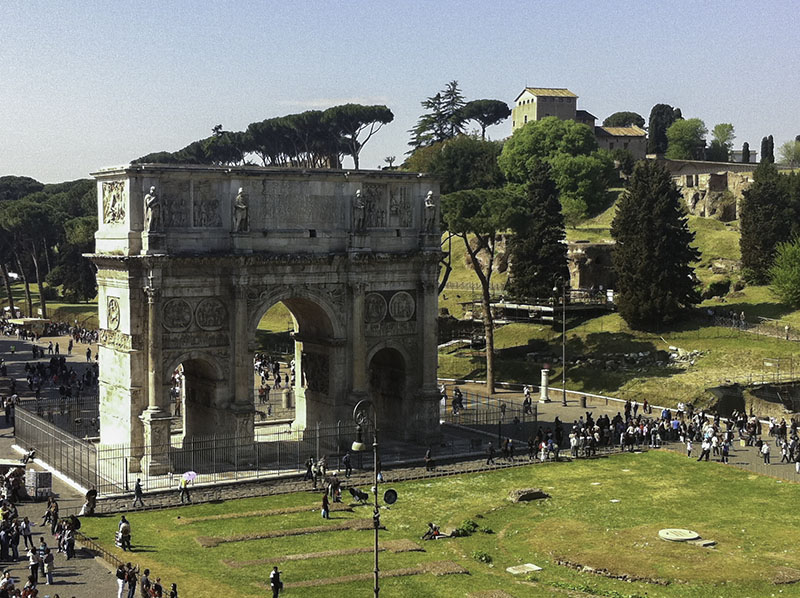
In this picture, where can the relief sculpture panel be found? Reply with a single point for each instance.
(177, 315)
(113, 202)
(375, 199)
(206, 211)
(211, 314)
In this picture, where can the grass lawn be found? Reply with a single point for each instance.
(755, 531)
(726, 354)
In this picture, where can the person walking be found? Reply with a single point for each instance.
(765, 452)
(27, 534)
(275, 582)
(348, 467)
(138, 493)
(490, 454)
(184, 486)
(326, 507)
(122, 576)
(144, 584)
(33, 563)
(131, 579)
(49, 564)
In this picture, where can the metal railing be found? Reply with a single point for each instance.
(78, 416)
(72, 456)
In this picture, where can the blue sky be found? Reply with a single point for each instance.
(84, 85)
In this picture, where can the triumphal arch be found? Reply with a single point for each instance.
(190, 258)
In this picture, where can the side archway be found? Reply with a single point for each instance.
(388, 384)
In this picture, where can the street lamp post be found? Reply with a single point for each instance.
(361, 417)
(563, 340)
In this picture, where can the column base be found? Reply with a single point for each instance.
(156, 459)
(153, 243)
(242, 242)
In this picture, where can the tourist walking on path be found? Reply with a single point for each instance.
(122, 576)
(131, 578)
(325, 506)
(27, 534)
(765, 452)
(275, 582)
(138, 493)
(49, 563)
(490, 454)
(348, 467)
(184, 485)
(33, 563)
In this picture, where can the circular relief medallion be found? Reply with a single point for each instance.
(210, 314)
(177, 315)
(401, 306)
(112, 313)
(374, 308)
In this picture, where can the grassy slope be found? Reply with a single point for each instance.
(729, 354)
(579, 523)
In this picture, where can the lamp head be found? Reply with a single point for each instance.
(358, 443)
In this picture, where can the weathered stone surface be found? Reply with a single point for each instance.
(527, 494)
(364, 301)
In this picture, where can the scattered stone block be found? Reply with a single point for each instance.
(527, 494)
(526, 568)
(678, 535)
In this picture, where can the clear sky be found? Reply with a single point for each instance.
(84, 85)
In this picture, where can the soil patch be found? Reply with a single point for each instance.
(335, 507)
(390, 545)
(353, 524)
(436, 568)
(607, 573)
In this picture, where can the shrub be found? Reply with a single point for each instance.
(482, 557)
(784, 274)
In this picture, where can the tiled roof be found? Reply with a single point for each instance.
(561, 92)
(620, 131)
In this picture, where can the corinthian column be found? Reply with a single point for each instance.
(155, 418)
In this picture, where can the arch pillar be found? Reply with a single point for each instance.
(242, 407)
(155, 419)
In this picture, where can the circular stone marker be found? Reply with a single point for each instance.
(678, 535)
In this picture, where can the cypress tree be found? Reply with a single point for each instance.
(538, 255)
(746, 152)
(652, 255)
(771, 148)
(661, 117)
(765, 221)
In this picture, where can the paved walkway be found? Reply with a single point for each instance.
(82, 577)
(745, 457)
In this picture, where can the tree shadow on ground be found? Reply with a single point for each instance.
(752, 311)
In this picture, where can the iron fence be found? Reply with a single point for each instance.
(72, 456)
(490, 416)
(79, 416)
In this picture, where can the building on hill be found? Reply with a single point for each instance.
(633, 139)
(737, 156)
(585, 118)
(536, 103)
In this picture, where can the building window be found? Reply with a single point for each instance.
(526, 119)
(625, 145)
(610, 145)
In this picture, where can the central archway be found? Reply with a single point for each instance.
(315, 353)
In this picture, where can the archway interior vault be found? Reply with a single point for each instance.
(387, 386)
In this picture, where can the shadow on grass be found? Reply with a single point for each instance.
(753, 311)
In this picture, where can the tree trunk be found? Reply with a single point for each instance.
(7, 281)
(488, 331)
(39, 280)
(486, 303)
(28, 299)
(46, 256)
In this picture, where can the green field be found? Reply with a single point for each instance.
(755, 532)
